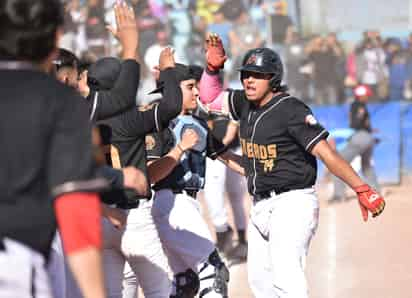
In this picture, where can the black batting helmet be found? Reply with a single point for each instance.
(264, 60)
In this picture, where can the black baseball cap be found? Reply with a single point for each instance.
(182, 73)
(103, 74)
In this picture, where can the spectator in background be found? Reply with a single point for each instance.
(181, 27)
(324, 77)
(280, 24)
(399, 74)
(151, 56)
(371, 66)
(147, 23)
(96, 32)
(74, 16)
(340, 65)
(243, 37)
(221, 26)
(295, 57)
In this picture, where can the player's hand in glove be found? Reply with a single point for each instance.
(215, 53)
(369, 201)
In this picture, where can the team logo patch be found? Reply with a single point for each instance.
(150, 142)
(252, 60)
(311, 120)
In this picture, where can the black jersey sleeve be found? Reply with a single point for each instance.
(141, 122)
(214, 146)
(122, 96)
(156, 144)
(236, 102)
(70, 161)
(303, 126)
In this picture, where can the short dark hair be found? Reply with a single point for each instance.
(65, 58)
(28, 28)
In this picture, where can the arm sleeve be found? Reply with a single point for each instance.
(211, 89)
(79, 216)
(303, 126)
(70, 161)
(140, 123)
(171, 104)
(122, 96)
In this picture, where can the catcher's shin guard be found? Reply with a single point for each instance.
(221, 277)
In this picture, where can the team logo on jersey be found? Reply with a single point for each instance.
(311, 120)
(150, 142)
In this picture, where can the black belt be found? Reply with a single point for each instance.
(2, 247)
(191, 193)
(264, 195)
(128, 205)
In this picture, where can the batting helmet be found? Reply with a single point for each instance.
(264, 60)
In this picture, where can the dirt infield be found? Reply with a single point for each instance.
(350, 258)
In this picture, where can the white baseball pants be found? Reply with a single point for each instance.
(57, 268)
(279, 232)
(220, 178)
(182, 229)
(22, 272)
(139, 245)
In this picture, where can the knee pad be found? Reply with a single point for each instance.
(187, 284)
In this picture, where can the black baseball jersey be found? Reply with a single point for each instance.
(108, 103)
(128, 130)
(276, 141)
(359, 116)
(189, 174)
(46, 150)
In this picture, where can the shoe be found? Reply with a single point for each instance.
(225, 241)
(238, 252)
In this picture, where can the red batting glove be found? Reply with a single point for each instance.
(215, 53)
(369, 201)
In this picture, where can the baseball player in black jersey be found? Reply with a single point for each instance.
(177, 170)
(138, 243)
(281, 140)
(47, 159)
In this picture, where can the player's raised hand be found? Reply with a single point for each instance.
(126, 29)
(166, 58)
(215, 53)
(369, 201)
(189, 139)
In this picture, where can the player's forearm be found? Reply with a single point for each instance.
(336, 164)
(171, 104)
(231, 133)
(86, 266)
(233, 161)
(162, 167)
(123, 95)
